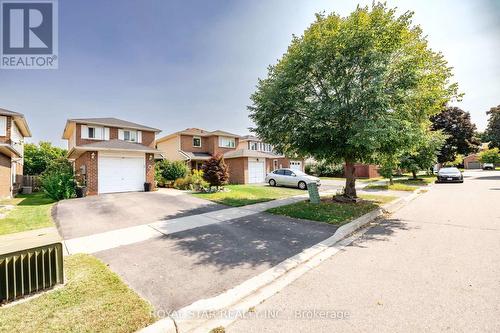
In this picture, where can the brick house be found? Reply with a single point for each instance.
(111, 155)
(13, 130)
(248, 158)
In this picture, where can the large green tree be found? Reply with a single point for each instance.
(461, 132)
(344, 89)
(492, 133)
(38, 157)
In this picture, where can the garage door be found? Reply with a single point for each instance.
(296, 165)
(121, 174)
(256, 170)
(473, 165)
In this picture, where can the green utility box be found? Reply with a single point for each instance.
(313, 193)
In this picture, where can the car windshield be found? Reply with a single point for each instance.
(449, 170)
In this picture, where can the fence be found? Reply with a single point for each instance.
(32, 181)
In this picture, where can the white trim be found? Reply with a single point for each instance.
(139, 136)
(229, 140)
(106, 133)
(3, 126)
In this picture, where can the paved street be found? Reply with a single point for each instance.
(432, 266)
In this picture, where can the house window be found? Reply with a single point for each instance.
(266, 147)
(253, 145)
(130, 135)
(196, 141)
(226, 142)
(92, 133)
(3, 126)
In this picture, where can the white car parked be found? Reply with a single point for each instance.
(289, 177)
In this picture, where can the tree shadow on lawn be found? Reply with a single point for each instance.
(381, 231)
(249, 242)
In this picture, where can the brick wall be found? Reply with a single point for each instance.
(91, 170)
(214, 148)
(148, 138)
(238, 169)
(150, 170)
(4, 176)
(187, 144)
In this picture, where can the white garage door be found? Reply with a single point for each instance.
(296, 165)
(256, 170)
(121, 174)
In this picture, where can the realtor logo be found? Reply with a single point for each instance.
(29, 34)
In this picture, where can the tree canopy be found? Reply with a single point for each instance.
(352, 88)
(492, 133)
(457, 125)
(490, 156)
(38, 157)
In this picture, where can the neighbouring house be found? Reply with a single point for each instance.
(472, 162)
(365, 170)
(111, 155)
(13, 130)
(248, 158)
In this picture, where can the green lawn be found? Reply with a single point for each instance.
(330, 211)
(31, 211)
(241, 195)
(396, 187)
(94, 299)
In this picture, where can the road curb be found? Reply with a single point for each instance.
(201, 316)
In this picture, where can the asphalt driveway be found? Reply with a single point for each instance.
(173, 271)
(96, 214)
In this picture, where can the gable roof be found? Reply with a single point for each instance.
(111, 122)
(198, 132)
(19, 120)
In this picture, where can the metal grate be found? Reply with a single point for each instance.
(29, 271)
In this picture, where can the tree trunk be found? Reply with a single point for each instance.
(391, 180)
(414, 173)
(350, 181)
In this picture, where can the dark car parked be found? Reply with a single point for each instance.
(450, 175)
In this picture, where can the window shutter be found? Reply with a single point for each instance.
(106, 133)
(139, 136)
(120, 134)
(3, 126)
(84, 132)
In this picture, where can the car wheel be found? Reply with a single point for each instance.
(272, 182)
(302, 186)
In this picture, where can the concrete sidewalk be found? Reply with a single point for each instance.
(125, 236)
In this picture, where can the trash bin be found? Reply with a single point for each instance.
(147, 187)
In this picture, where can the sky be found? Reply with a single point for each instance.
(178, 64)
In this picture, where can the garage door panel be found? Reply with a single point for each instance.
(256, 172)
(121, 174)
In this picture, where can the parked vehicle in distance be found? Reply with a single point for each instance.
(290, 177)
(450, 175)
(488, 166)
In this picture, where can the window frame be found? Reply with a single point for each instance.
(230, 140)
(196, 138)
(129, 131)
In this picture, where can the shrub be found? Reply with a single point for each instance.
(325, 169)
(167, 171)
(215, 171)
(193, 181)
(310, 168)
(58, 180)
